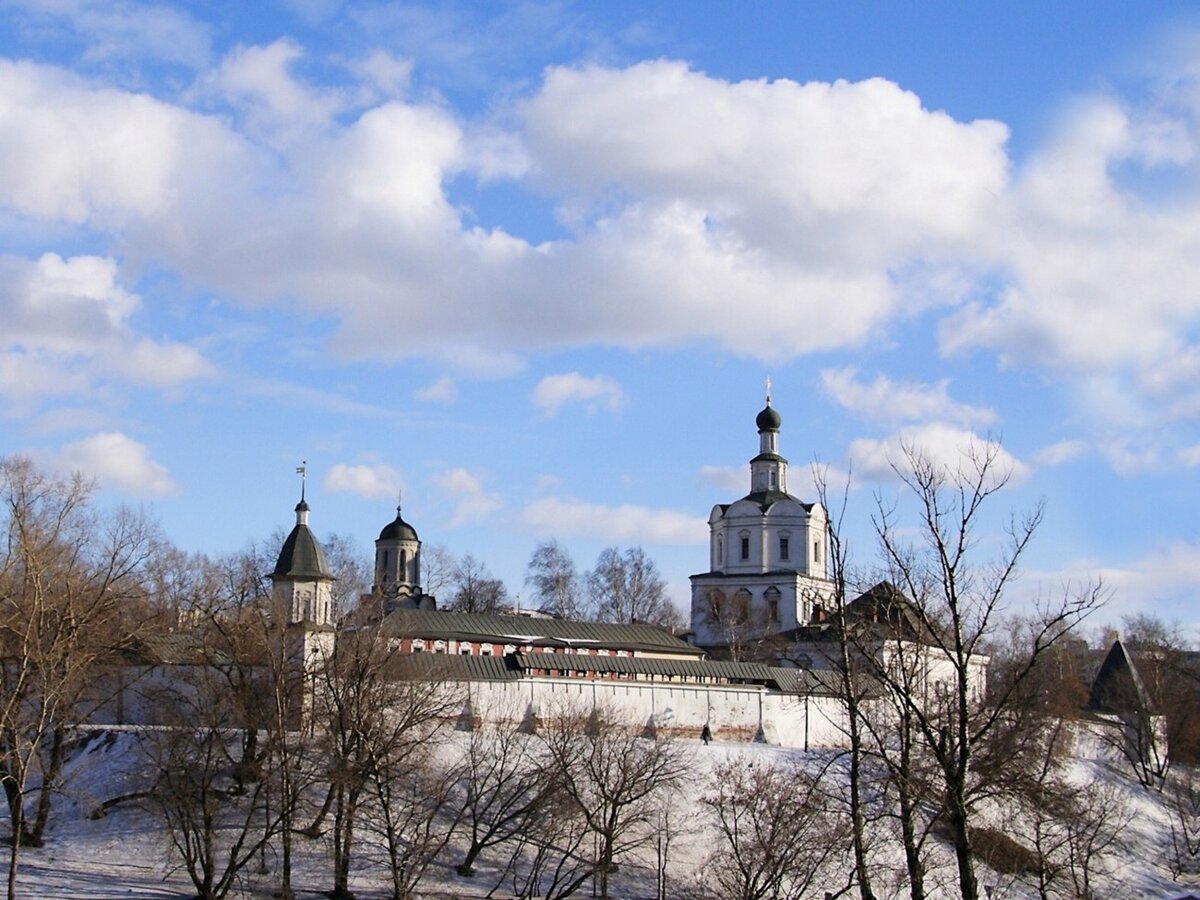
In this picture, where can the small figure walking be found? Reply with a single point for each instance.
(706, 734)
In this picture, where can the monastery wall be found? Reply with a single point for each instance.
(733, 712)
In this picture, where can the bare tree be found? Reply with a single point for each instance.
(437, 569)
(777, 831)
(555, 582)
(378, 706)
(740, 627)
(613, 777)
(1183, 804)
(958, 603)
(353, 572)
(627, 587)
(217, 819)
(855, 684)
(475, 590)
(504, 787)
(550, 859)
(412, 810)
(65, 576)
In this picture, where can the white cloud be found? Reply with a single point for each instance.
(1104, 278)
(885, 400)
(1161, 583)
(257, 81)
(125, 30)
(117, 462)
(372, 482)
(443, 390)
(67, 325)
(1190, 456)
(138, 159)
(727, 478)
(950, 448)
(547, 482)
(566, 516)
(1058, 453)
(387, 74)
(1130, 457)
(465, 489)
(831, 188)
(597, 392)
(767, 218)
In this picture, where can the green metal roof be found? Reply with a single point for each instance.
(398, 530)
(766, 499)
(440, 625)
(796, 681)
(301, 557)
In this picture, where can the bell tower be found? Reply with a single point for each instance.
(301, 584)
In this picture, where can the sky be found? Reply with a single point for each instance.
(531, 264)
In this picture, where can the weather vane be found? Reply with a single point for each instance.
(302, 471)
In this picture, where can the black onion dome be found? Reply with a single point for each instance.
(301, 556)
(398, 530)
(768, 419)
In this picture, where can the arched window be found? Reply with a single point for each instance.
(716, 603)
(772, 598)
(741, 606)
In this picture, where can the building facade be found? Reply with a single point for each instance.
(768, 557)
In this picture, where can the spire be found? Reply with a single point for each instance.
(302, 506)
(768, 390)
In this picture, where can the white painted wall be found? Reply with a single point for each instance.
(733, 712)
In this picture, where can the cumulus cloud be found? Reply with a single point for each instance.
(466, 490)
(372, 482)
(950, 448)
(1102, 276)
(832, 190)
(597, 392)
(885, 400)
(117, 462)
(567, 516)
(67, 324)
(767, 218)
(258, 82)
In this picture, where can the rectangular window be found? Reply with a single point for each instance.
(745, 548)
(784, 550)
(816, 551)
(773, 611)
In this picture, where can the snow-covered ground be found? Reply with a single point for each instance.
(125, 854)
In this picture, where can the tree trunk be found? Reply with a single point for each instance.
(58, 744)
(968, 885)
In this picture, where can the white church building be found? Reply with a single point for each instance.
(768, 554)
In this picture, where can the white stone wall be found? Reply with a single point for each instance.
(733, 712)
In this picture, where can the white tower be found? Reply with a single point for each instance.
(302, 585)
(398, 569)
(767, 555)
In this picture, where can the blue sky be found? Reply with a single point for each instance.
(533, 262)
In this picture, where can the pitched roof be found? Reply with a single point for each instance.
(1118, 687)
(793, 681)
(438, 624)
(177, 649)
(301, 556)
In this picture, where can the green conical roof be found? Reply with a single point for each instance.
(301, 555)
